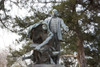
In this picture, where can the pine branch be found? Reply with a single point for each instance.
(4, 25)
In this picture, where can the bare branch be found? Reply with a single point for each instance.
(4, 25)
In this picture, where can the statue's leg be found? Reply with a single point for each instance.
(37, 57)
(57, 59)
(56, 43)
(57, 47)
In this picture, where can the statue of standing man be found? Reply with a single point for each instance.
(54, 24)
(50, 47)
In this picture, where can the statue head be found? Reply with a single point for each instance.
(44, 26)
(54, 12)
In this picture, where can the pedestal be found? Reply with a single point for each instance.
(46, 65)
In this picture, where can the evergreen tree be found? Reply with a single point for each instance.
(84, 25)
(80, 23)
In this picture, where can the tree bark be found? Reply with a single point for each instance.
(80, 50)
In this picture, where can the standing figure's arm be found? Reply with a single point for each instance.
(64, 26)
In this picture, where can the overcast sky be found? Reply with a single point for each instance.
(6, 37)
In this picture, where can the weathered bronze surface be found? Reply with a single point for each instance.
(46, 36)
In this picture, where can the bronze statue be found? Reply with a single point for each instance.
(55, 24)
(46, 36)
(42, 44)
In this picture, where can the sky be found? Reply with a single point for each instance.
(8, 38)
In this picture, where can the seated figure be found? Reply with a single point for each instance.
(43, 49)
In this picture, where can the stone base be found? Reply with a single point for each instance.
(46, 65)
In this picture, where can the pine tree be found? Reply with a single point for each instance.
(79, 39)
(78, 23)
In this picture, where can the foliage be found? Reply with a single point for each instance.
(85, 22)
(81, 22)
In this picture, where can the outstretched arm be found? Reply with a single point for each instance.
(64, 26)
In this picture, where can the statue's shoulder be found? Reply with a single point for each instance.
(47, 20)
(59, 18)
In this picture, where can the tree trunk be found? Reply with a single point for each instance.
(80, 50)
